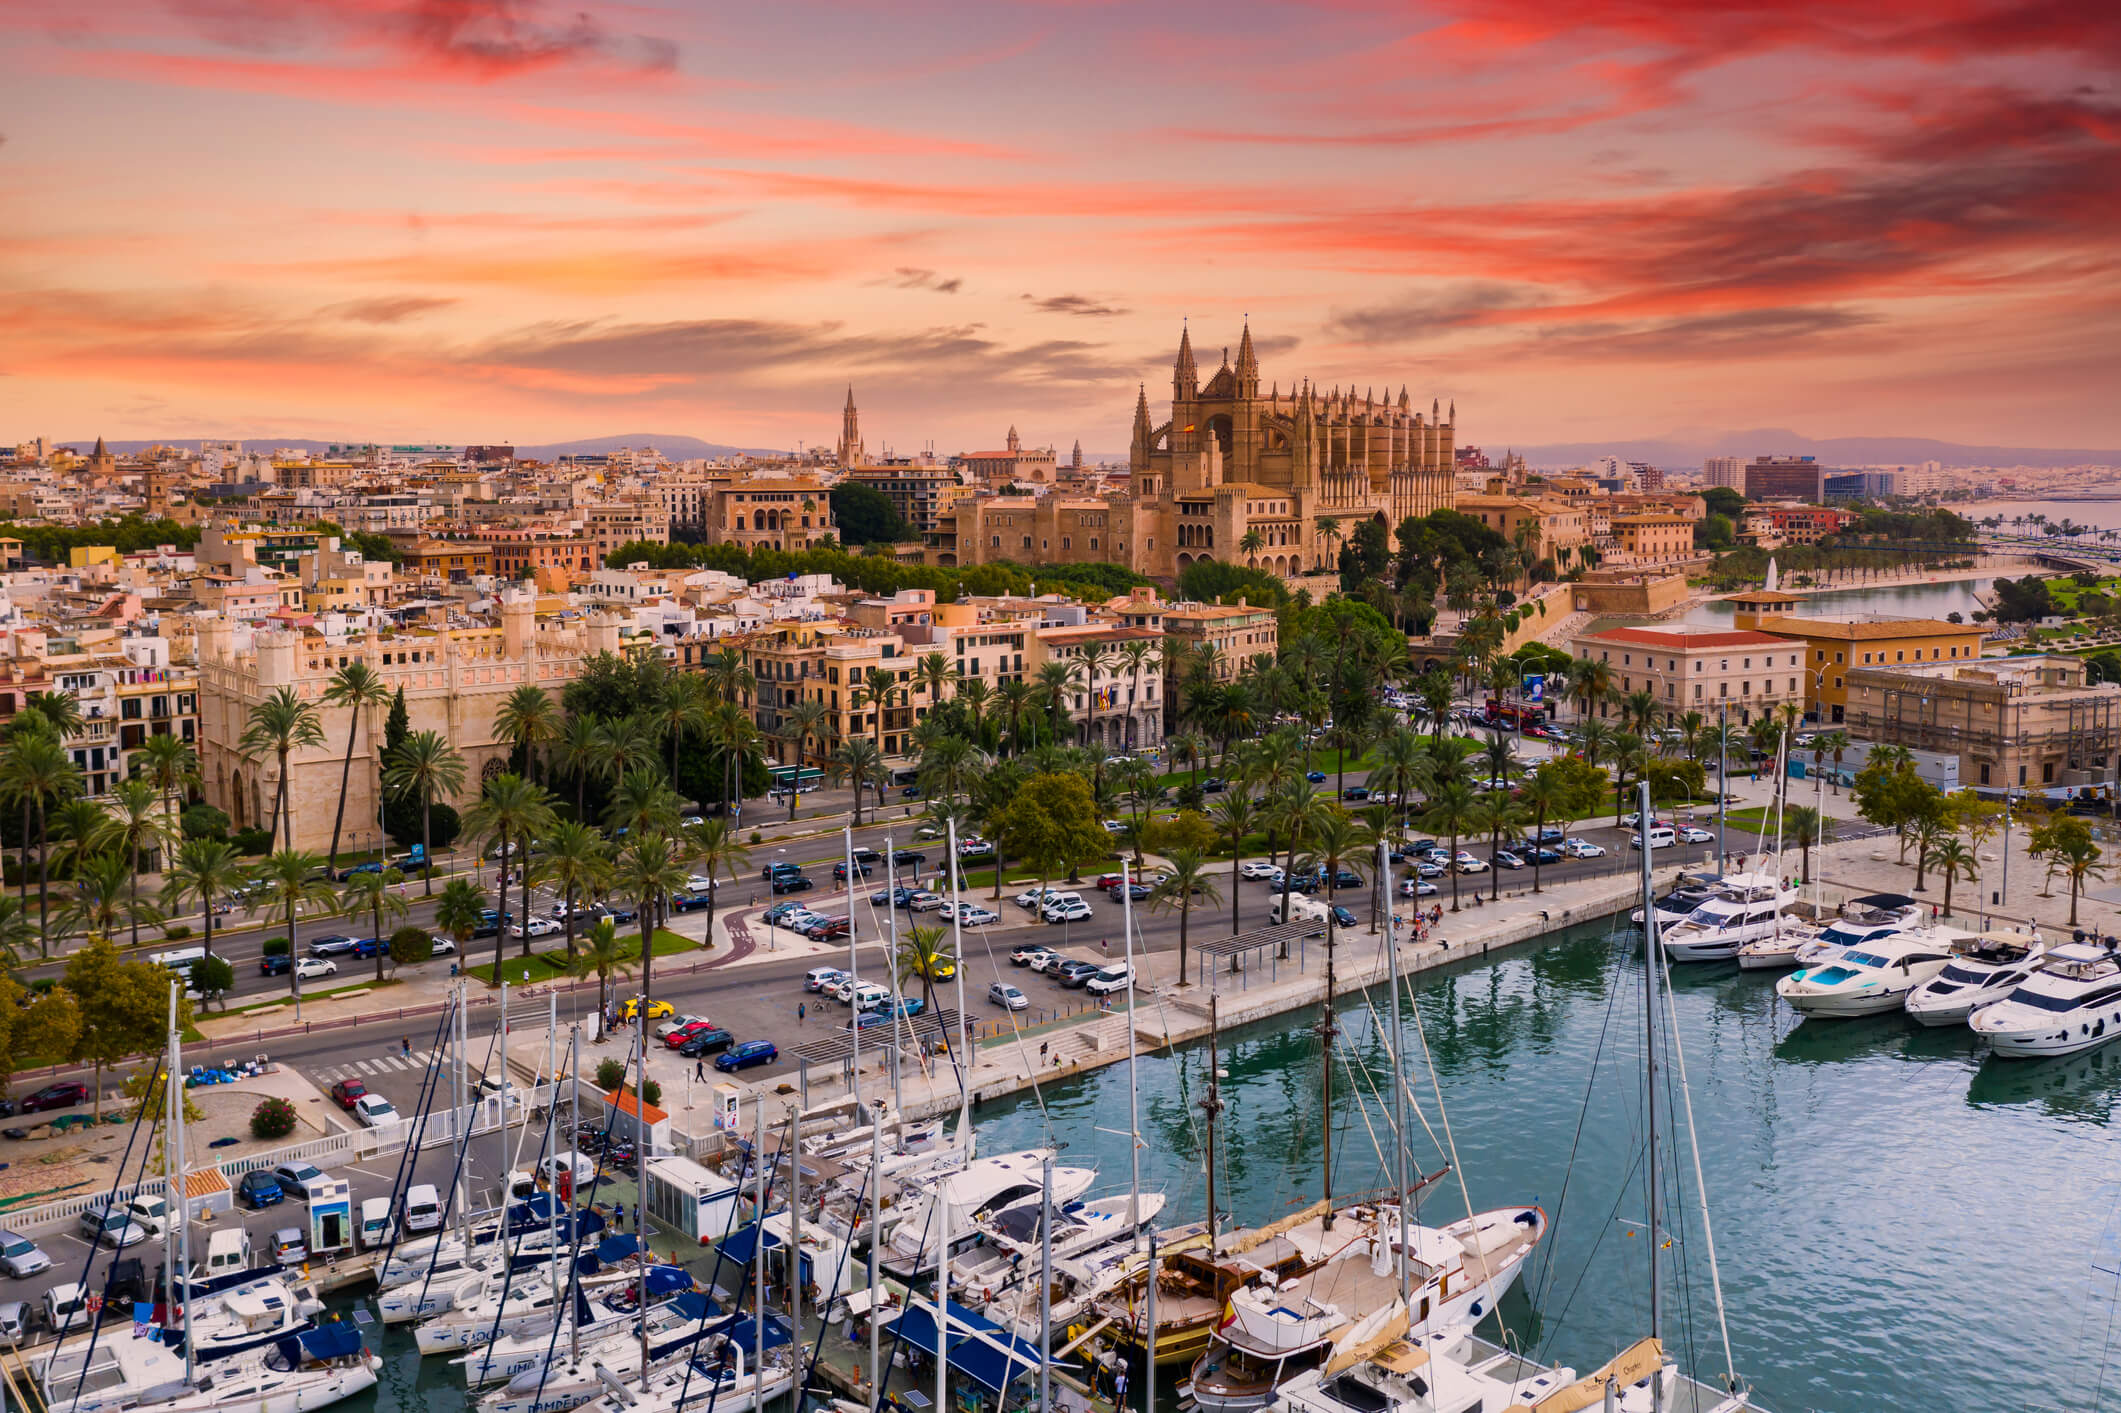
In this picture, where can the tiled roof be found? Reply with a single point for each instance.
(1889, 628)
(1681, 640)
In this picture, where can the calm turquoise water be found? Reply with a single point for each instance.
(1901, 1225)
(1900, 601)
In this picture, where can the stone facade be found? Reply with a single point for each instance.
(1688, 668)
(455, 681)
(2035, 722)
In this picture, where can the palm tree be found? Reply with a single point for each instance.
(460, 910)
(1453, 810)
(103, 897)
(1497, 813)
(1337, 842)
(934, 672)
(922, 951)
(1952, 859)
(1638, 711)
(1053, 680)
(425, 765)
(1249, 544)
(138, 823)
(800, 724)
(83, 828)
(1235, 816)
(604, 957)
(15, 931)
(883, 688)
(1589, 682)
(208, 870)
(1188, 878)
(643, 801)
(370, 893)
(1329, 531)
(1630, 760)
(529, 719)
(1135, 655)
(575, 864)
(648, 872)
(731, 731)
(1295, 812)
(169, 764)
(1830, 743)
(682, 711)
(626, 744)
(278, 725)
(715, 847)
(862, 759)
(576, 753)
(357, 687)
(515, 813)
(38, 771)
(1018, 699)
(293, 880)
(1543, 796)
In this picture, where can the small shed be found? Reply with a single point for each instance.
(206, 1190)
(684, 1198)
(646, 1126)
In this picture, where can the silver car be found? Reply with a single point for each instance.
(1002, 994)
(19, 1256)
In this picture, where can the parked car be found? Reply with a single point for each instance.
(374, 1110)
(1466, 863)
(924, 901)
(1075, 974)
(310, 968)
(744, 1056)
(288, 1247)
(1136, 890)
(299, 1179)
(1504, 858)
(346, 1092)
(1002, 994)
(892, 897)
(1343, 917)
(1047, 963)
(1660, 836)
(973, 915)
(110, 1227)
(257, 1190)
(779, 913)
(1025, 955)
(1583, 849)
(825, 929)
(677, 1023)
(1417, 888)
(63, 1095)
(1540, 854)
(818, 978)
(1107, 981)
(653, 1010)
(19, 1256)
(1428, 868)
(710, 1041)
(1077, 911)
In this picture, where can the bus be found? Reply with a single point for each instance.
(181, 959)
(804, 778)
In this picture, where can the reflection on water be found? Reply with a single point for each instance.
(1962, 596)
(1839, 1156)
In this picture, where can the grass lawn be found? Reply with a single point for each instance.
(307, 994)
(550, 966)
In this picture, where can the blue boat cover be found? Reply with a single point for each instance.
(664, 1280)
(694, 1305)
(334, 1340)
(742, 1330)
(739, 1244)
(979, 1349)
(616, 1248)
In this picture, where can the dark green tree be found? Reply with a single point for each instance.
(866, 516)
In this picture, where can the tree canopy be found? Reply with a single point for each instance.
(865, 515)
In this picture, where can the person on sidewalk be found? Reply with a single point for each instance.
(802, 1012)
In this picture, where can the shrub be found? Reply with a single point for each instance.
(212, 977)
(610, 1074)
(204, 822)
(401, 820)
(756, 838)
(409, 946)
(275, 1118)
(274, 947)
(652, 1092)
(252, 841)
(176, 930)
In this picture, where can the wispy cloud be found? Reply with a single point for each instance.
(1081, 305)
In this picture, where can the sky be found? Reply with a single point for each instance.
(505, 221)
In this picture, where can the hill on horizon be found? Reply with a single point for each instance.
(1684, 450)
(677, 448)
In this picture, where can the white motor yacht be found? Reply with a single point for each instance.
(975, 1193)
(721, 1379)
(297, 1374)
(1797, 944)
(250, 1316)
(1983, 970)
(1873, 978)
(569, 1379)
(1744, 908)
(1689, 892)
(1012, 1246)
(2071, 1004)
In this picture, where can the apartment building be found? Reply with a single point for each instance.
(1236, 632)
(1690, 668)
(1835, 646)
(2036, 722)
(1653, 539)
(1117, 701)
(618, 522)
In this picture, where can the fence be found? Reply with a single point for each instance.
(357, 1146)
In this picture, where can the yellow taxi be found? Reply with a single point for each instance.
(635, 1008)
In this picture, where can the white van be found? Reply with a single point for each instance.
(1660, 836)
(421, 1208)
(1301, 909)
(376, 1224)
(227, 1254)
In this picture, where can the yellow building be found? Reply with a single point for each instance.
(89, 556)
(1834, 646)
(1544, 528)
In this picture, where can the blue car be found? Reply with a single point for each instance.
(1316, 777)
(258, 1190)
(374, 866)
(1342, 917)
(751, 1052)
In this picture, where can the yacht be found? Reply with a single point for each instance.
(1011, 1246)
(569, 1379)
(2071, 1004)
(975, 1193)
(531, 1232)
(720, 1379)
(250, 1316)
(1689, 892)
(1743, 908)
(1378, 1367)
(1276, 1329)
(1983, 970)
(534, 1304)
(304, 1371)
(1872, 978)
(1798, 944)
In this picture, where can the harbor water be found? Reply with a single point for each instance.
(1901, 1224)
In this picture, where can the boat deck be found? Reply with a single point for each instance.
(1691, 1396)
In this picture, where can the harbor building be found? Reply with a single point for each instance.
(2035, 721)
(1687, 667)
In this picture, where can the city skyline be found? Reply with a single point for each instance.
(429, 218)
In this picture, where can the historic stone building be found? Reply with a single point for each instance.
(1274, 480)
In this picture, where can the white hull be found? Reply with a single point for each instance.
(1846, 1005)
(280, 1392)
(2048, 1042)
(1766, 956)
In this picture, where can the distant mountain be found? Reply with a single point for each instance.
(677, 448)
(1689, 450)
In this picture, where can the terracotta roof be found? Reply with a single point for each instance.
(623, 1101)
(1766, 596)
(1682, 640)
(204, 1182)
(1891, 628)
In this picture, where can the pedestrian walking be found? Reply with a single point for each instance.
(618, 1216)
(405, 1046)
(699, 1068)
(802, 1012)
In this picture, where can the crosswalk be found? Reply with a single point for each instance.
(381, 1064)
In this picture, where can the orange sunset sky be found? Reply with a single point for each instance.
(475, 220)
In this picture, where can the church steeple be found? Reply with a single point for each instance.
(1185, 377)
(1247, 365)
(850, 448)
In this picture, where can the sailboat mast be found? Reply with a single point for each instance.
(1399, 1083)
(758, 1260)
(891, 965)
(574, 1110)
(854, 978)
(1134, 1120)
(1210, 1106)
(1326, 1031)
(640, 1138)
(957, 952)
(1650, 959)
(1045, 1285)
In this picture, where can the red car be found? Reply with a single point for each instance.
(63, 1095)
(684, 1033)
(1109, 881)
(346, 1091)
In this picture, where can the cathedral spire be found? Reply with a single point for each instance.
(1185, 377)
(850, 448)
(1247, 364)
(1403, 404)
